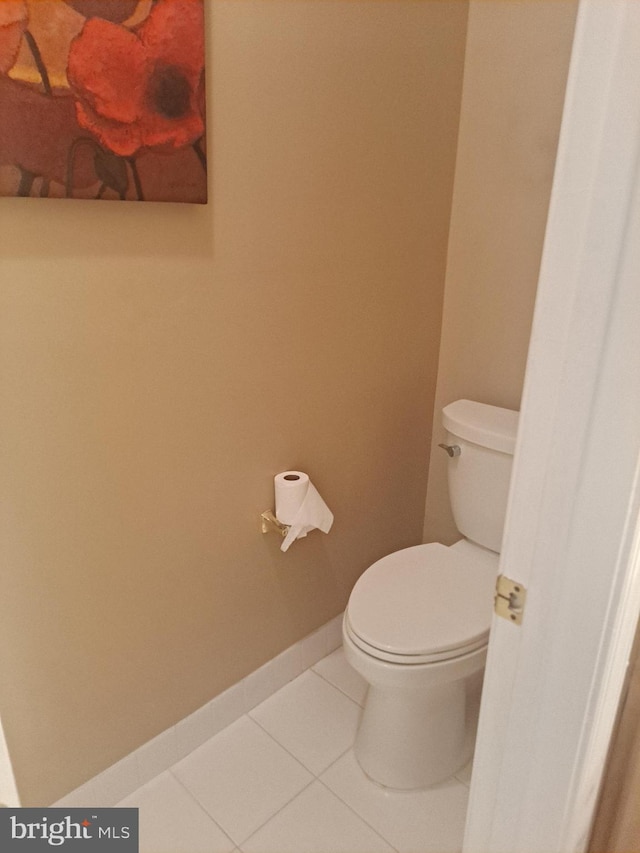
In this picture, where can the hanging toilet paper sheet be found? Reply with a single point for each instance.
(299, 505)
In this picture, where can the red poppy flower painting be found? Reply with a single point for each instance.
(103, 99)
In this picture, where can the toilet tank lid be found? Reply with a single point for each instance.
(488, 426)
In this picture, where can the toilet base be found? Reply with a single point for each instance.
(410, 739)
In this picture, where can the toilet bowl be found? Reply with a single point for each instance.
(417, 640)
(417, 623)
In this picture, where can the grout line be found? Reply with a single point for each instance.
(313, 672)
(310, 782)
(335, 761)
(308, 769)
(286, 749)
(282, 807)
(193, 797)
(282, 746)
(357, 814)
(337, 687)
(369, 782)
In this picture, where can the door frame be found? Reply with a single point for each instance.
(572, 538)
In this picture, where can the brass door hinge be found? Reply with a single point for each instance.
(509, 600)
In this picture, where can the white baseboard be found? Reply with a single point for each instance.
(121, 779)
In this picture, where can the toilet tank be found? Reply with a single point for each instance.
(479, 476)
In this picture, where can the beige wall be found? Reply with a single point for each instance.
(161, 363)
(516, 67)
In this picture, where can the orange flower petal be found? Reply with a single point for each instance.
(108, 67)
(13, 22)
(13, 12)
(123, 139)
(142, 88)
(10, 38)
(162, 133)
(174, 35)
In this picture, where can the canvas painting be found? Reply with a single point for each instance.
(103, 99)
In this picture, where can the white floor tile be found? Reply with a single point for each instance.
(337, 670)
(172, 822)
(311, 719)
(430, 821)
(250, 789)
(316, 822)
(242, 778)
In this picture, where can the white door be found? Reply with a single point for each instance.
(572, 534)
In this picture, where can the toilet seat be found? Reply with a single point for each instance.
(409, 660)
(424, 604)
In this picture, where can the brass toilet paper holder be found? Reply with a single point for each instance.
(270, 522)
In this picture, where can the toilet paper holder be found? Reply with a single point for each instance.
(270, 522)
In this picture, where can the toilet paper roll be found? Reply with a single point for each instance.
(299, 505)
(290, 488)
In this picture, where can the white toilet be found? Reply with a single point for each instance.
(417, 623)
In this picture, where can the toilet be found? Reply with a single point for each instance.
(417, 623)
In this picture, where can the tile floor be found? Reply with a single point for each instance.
(283, 779)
